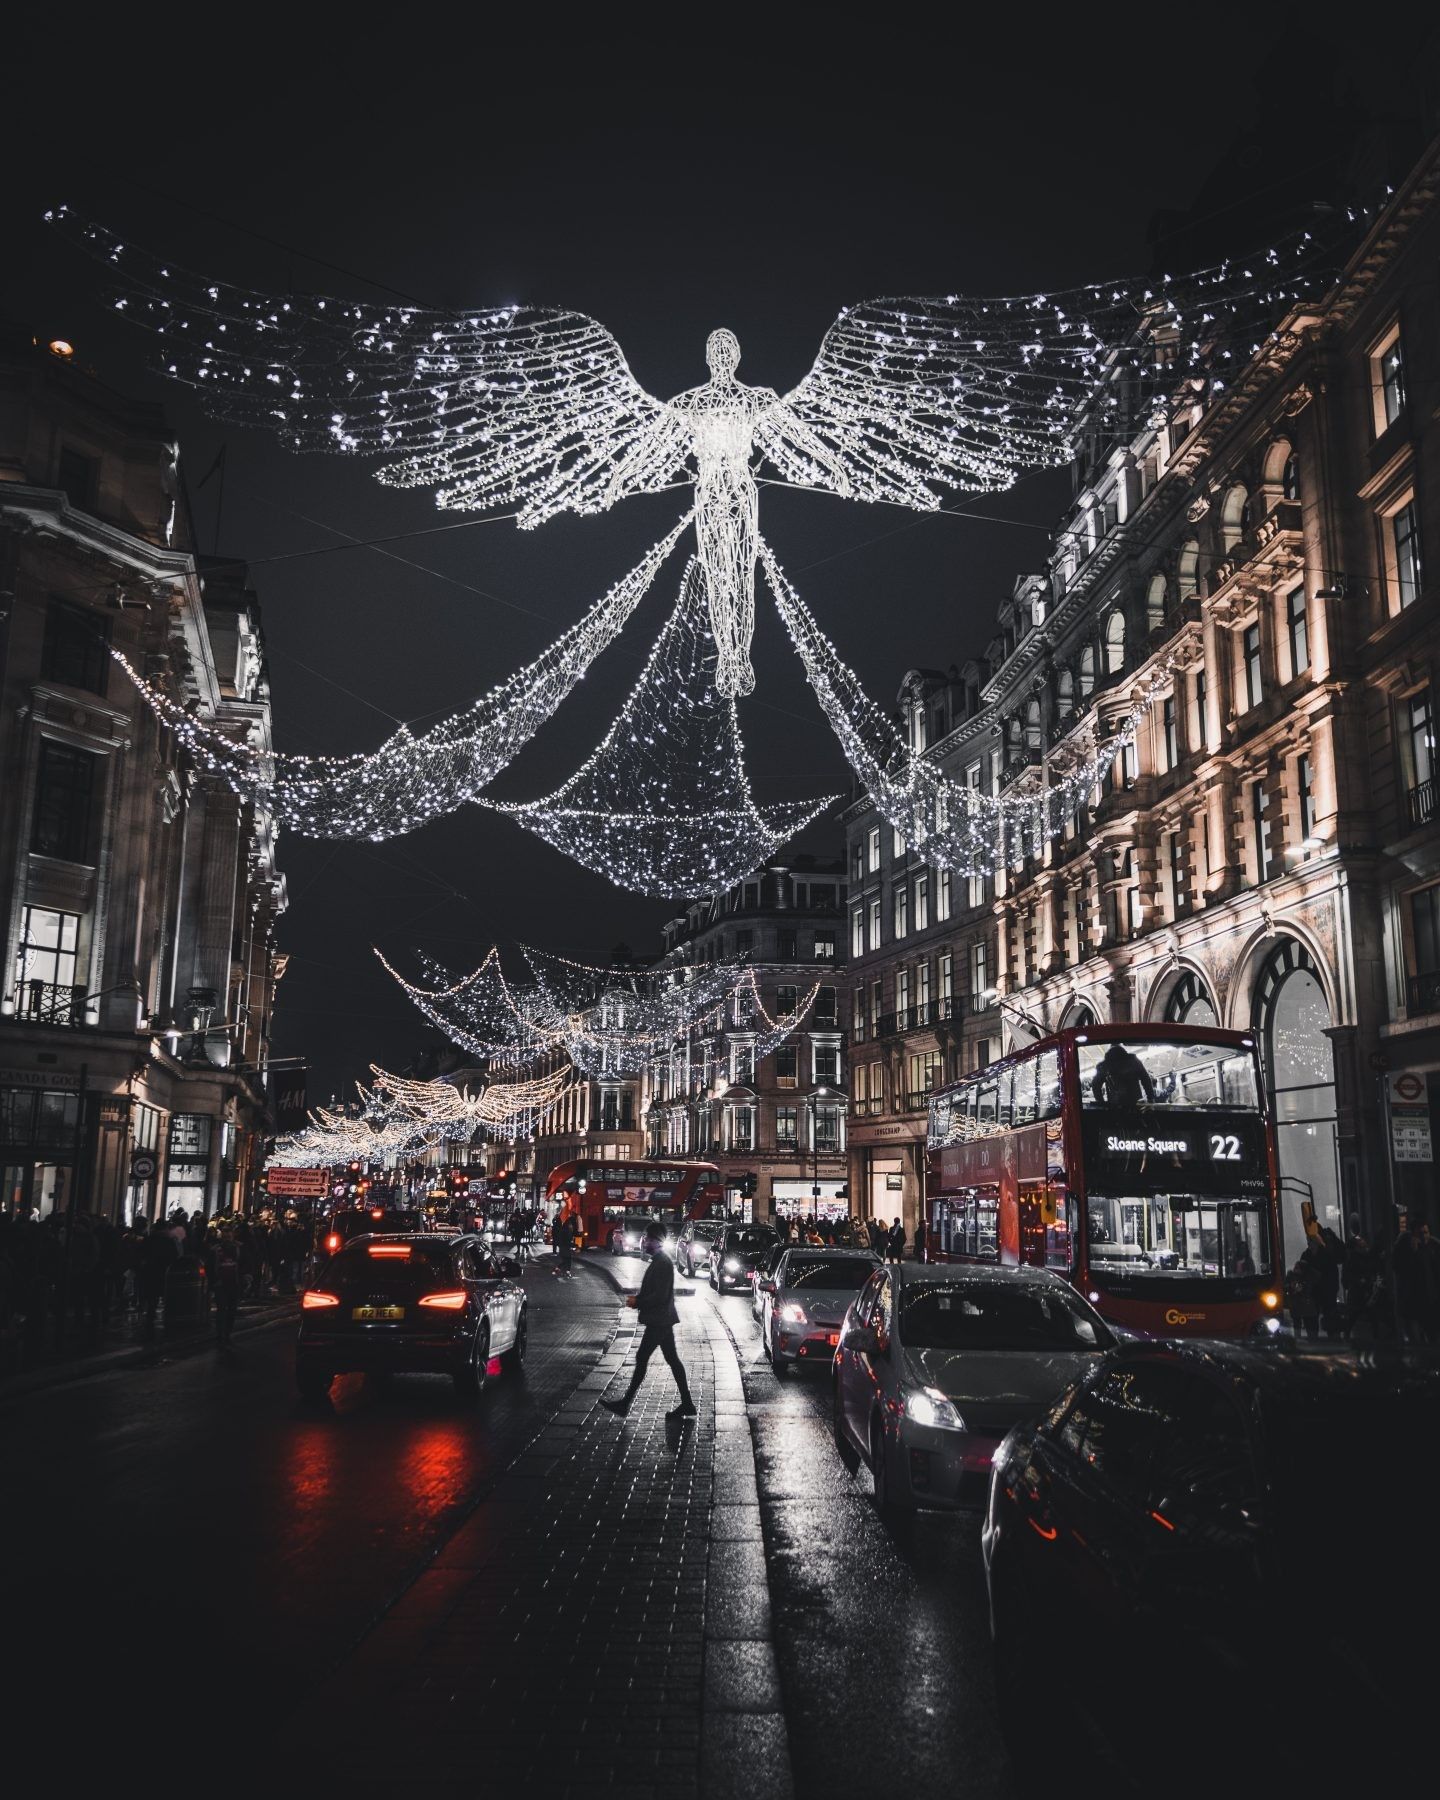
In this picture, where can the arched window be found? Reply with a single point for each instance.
(1155, 602)
(1079, 1017)
(1032, 724)
(1281, 473)
(1114, 642)
(1190, 1004)
(1234, 516)
(1087, 671)
(1292, 1016)
(1128, 873)
(1189, 568)
(1290, 478)
(1065, 690)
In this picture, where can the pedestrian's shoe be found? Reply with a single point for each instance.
(685, 1410)
(616, 1406)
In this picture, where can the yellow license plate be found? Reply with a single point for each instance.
(367, 1313)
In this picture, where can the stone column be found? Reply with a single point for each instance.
(215, 924)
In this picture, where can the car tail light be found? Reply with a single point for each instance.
(311, 1298)
(449, 1302)
(382, 1250)
(376, 1213)
(333, 1241)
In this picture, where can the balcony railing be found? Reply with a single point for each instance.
(919, 1017)
(1423, 993)
(45, 1003)
(1421, 800)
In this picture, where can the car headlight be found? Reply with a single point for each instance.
(793, 1313)
(928, 1406)
(732, 1263)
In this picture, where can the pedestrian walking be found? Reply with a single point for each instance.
(161, 1254)
(895, 1243)
(562, 1236)
(1302, 1293)
(655, 1304)
(920, 1239)
(225, 1284)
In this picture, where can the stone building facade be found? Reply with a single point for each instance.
(1262, 559)
(139, 897)
(772, 1115)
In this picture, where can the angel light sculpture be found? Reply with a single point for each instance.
(536, 408)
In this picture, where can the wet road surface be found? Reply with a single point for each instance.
(402, 1559)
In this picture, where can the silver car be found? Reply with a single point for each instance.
(935, 1364)
(804, 1301)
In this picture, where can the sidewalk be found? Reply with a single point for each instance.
(121, 1346)
(600, 1622)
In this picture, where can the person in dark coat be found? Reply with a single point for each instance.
(162, 1252)
(895, 1243)
(562, 1236)
(920, 1241)
(655, 1304)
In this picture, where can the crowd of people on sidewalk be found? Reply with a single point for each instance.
(68, 1278)
(1371, 1292)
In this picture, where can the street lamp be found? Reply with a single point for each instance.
(817, 1097)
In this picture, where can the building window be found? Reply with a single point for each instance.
(902, 910)
(874, 924)
(825, 1015)
(1250, 645)
(1179, 887)
(1405, 553)
(45, 965)
(787, 945)
(1290, 478)
(922, 991)
(64, 797)
(897, 843)
(1418, 750)
(1115, 642)
(827, 1128)
(78, 477)
(77, 647)
(877, 1002)
(1262, 831)
(1201, 737)
(857, 1013)
(943, 886)
(1188, 569)
(1305, 781)
(1388, 374)
(857, 861)
(787, 1066)
(827, 1065)
(857, 931)
(825, 945)
(902, 995)
(924, 1075)
(787, 998)
(947, 975)
(787, 1127)
(1298, 628)
(1087, 672)
(975, 891)
(922, 902)
(1172, 735)
(872, 849)
(744, 942)
(979, 974)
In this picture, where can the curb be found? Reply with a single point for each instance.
(129, 1356)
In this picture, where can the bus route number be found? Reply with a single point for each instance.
(1224, 1147)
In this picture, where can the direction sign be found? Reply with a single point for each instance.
(142, 1165)
(1409, 1117)
(296, 1183)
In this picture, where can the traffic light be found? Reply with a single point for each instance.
(459, 1178)
(748, 1184)
(355, 1168)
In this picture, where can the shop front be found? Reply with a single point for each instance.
(887, 1161)
(39, 1139)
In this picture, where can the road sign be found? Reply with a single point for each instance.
(296, 1183)
(142, 1165)
(1409, 1117)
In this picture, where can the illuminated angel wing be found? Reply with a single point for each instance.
(910, 397)
(511, 406)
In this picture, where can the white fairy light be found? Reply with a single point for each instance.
(663, 806)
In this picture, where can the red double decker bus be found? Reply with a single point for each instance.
(1138, 1160)
(604, 1192)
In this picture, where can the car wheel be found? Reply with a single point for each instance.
(470, 1376)
(894, 1514)
(849, 1455)
(513, 1359)
(314, 1384)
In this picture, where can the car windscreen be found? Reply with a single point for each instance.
(752, 1238)
(841, 1272)
(987, 1316)
(424, 1262)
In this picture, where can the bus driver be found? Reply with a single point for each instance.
(1122, 1080)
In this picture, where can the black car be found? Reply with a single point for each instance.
(350, 1222)
(422, 1302)
(738, 1254)
(1209, 1558)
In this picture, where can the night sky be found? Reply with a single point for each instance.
(464, 172)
